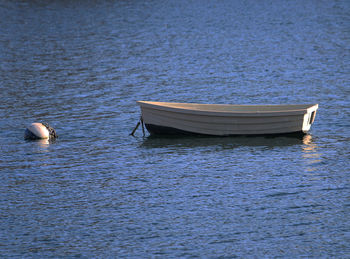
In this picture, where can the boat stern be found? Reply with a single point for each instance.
(309, 118)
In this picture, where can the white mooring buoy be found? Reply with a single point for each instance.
(39, 130)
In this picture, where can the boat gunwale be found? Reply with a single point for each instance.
(158, 106)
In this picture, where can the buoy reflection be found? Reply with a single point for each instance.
(43, 144)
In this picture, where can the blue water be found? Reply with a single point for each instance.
(97, 192)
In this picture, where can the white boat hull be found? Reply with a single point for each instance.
(226, 120)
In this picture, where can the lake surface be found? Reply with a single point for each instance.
(98, 192)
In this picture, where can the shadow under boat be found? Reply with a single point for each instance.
(185, 139)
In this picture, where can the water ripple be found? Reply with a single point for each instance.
(97, 192)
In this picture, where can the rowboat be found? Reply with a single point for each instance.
(226, 120)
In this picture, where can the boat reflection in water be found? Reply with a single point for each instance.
(310, 153)
(155, 141)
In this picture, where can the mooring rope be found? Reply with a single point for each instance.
(143, 126)
(136, 127)
(52, 132)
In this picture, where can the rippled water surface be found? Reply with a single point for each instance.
(96, 191)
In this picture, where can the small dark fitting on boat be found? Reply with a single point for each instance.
(225, 119)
